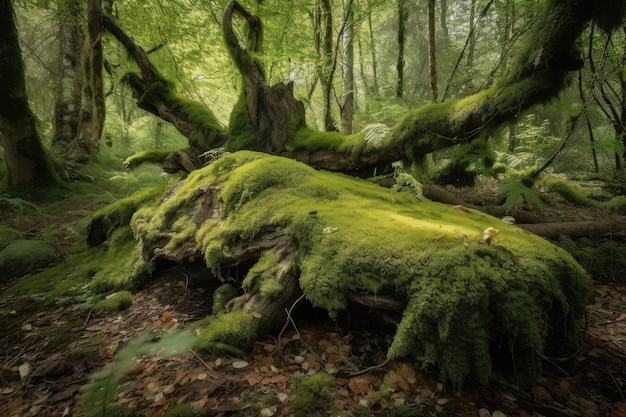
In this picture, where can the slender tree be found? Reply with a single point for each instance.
(402, 19)
(347, 107)
(26, 159)
(432, 57)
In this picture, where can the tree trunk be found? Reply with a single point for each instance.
(432, 58)
(347, 108)
(325, 52)
(373, 49)
(443, 21)
(68, 103)
(92, 109)
(402, 19)
(26, 159)
(272, 114)
(472, 35)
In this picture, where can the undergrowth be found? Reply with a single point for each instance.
(100, 391)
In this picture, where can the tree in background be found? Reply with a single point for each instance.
(26, 159)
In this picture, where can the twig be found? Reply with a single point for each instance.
(371, 368)
(88, 317)
(211, 371)
(280, 335)
(619, 389)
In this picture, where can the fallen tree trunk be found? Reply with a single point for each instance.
(573, 230)
(276, 229)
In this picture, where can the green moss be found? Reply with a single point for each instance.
(577, 197)
(354, 236)
(181, 410)
(22, 256)
(313, 395)
(118, 214)
(222, 295)
(240, 130)
(228, 332)
(260, 277)
(312, 140)
(153, 156)
(118, 301)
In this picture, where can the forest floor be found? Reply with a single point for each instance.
(48, 351)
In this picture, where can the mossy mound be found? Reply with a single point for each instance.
(465, 297)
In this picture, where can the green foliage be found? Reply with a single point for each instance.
(312, 395)
(518, 195)
(604, 258)
(240, 130)
(467, 161)
(115, 302)
(22, 255)
(100, 391)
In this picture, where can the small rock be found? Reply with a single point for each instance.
(483, 412)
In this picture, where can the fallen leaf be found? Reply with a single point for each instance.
(240, 364)
(359, 385)
(253, 378)
(540, 393)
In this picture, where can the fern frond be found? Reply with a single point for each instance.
(518, 195)
(101, 389)
(375, 134)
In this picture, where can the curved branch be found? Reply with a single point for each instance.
(540, 74)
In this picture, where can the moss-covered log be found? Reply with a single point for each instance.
(287, 229)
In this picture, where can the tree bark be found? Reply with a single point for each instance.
(347, 108)
(325, 52)
(92, 110)
(27, 161)
(68, 102)
(432, 57)
(402, 18)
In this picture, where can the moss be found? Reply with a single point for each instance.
(152, 156)
(577, 197)
(222, 295)
(313, 395)
(260, 277)
(118, 301)
(228, 332)
(118, 214)
(21, 256)
(311, 140)
(181, 410)
(354, 236)
(240, 130)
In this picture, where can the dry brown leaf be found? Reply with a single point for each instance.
(540, 393)
(359, 385)
(618, 410)
(253, 378)
(406, 377)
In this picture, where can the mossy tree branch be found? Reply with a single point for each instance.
(157, 95)
(540, 73)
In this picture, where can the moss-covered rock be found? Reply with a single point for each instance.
(118, 301)
(465, 294)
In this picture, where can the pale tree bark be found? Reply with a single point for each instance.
(92, 109)
(347, 107)
(26, 159)
(70, 84)
(471, 46)
(432, 59)
(325, 52)
(373, 51)
(443, 21)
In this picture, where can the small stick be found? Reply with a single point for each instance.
(211, 371)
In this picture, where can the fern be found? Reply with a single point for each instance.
(101, 389)
(518, 195)
(8, 234)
